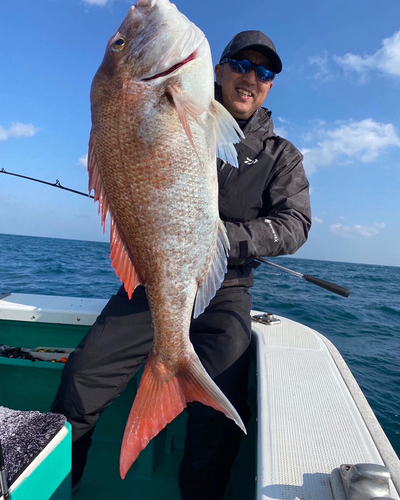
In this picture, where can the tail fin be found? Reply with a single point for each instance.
(161, 397)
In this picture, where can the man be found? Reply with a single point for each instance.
(266, 210)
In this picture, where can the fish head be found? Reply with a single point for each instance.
(153, 41)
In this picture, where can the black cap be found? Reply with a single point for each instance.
(255, 40)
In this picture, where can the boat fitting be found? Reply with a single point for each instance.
(361, 482)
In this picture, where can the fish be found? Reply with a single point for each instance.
(156, 132)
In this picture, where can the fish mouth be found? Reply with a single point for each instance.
(171, 69)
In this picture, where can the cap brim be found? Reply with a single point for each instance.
(266, 51)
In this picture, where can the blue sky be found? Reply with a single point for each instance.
(337, 100)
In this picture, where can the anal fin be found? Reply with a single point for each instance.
(216, 273)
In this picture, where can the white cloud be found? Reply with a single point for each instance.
(100, 3)
(322, 73)
(362, 141)
(386, 59)
(281, 131)
(83, 160)
(315, 130)
(318, 220)
(356, 231)
(17, 130)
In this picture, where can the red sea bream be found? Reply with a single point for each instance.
(156, 131)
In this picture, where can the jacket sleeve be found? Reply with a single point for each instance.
(285, 227)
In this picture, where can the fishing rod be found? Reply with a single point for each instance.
(56, 184)
(331, 287)
(3, 477)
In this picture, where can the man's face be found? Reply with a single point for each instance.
(242, 94)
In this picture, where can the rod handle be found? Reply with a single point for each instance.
(339, 290)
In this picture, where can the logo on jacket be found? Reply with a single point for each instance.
(249, 161)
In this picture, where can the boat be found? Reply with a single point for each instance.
(312, 436)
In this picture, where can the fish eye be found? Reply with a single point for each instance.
(118, 44)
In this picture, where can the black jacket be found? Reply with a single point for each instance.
(265, 202)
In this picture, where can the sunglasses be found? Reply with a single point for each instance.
(244, 66)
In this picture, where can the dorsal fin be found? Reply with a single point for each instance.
(216, 273)
(96, 184)
(120, 260)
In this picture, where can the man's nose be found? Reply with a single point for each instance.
(250, 77)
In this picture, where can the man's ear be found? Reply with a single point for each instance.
(217, 73)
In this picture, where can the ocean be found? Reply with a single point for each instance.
(365, 327)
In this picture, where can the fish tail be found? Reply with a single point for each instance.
(161, 397)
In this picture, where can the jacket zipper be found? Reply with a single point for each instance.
(228, 176)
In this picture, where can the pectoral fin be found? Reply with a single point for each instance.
(185, 107)
(227, 132)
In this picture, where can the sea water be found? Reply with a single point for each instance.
(365, 327)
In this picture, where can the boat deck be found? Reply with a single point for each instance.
(312, 416)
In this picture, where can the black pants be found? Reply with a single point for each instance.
(116, 347)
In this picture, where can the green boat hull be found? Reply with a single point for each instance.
(32, 386)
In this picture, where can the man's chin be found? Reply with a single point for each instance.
(241, 114)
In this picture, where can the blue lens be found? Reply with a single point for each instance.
(243, 66)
